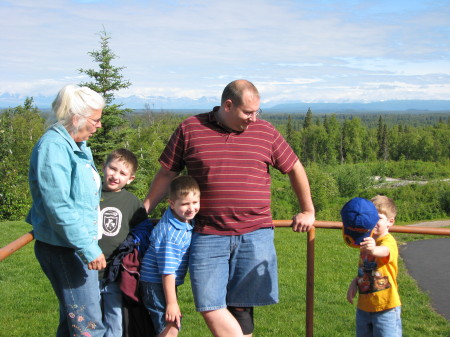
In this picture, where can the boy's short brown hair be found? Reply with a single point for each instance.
(385, 206)
(182, 186)
(126, 156)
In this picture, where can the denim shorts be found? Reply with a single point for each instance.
(154, 300)
(233, 270)
(385, 323)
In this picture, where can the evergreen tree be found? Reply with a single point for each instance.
(333, 145)
(394, 136)
(289, 131)
(308, 119)
(384, 144)
(382, 138)
(353, 134)
(107, 80)
(379, 129)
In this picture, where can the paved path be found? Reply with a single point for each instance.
(427, 262)
(438, 223)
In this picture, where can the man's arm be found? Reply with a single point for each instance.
(158, 188)
(303, 221)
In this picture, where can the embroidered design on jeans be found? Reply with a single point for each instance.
(78, 321)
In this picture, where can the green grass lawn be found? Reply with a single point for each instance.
(29, 308)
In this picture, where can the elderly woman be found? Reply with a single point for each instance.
(65, 187)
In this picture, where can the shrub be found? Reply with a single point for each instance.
(419, 202)
(324, 189)
(352, 179)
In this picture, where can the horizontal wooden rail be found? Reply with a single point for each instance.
(16, 245)
(28, 237)
(394, 229)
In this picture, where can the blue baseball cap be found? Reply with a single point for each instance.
(359, 218)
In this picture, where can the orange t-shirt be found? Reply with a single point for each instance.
(377, 278)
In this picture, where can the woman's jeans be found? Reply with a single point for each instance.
(76, 288)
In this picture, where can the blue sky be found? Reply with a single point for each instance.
(310, 51)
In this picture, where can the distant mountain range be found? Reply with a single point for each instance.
(132, 102)
(385, 106)
(206, 103)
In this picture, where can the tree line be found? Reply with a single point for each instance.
(332, 141)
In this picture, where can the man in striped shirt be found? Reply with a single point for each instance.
(228, 151)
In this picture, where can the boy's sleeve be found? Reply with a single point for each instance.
(393, 251)
(139, 215)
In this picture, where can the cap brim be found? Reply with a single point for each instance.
(354, 238)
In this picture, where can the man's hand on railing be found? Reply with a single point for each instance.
(302, 222)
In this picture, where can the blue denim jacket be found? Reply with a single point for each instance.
(65, 195)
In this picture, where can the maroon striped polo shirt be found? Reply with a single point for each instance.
(232, 169)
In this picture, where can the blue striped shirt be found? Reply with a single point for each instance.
(168, 252)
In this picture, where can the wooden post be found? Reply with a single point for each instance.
(310, 283)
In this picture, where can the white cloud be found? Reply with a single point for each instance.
(317, 50)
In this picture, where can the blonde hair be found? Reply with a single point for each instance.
(73, 100)
(181, 186)
(385, 206)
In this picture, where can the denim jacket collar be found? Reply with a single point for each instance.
(76, 147)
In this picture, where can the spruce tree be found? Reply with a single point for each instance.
(308, 119)
(107, 80)
(289, 131)
(382, 139)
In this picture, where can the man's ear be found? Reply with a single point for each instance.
(131, 179)
(228, 104)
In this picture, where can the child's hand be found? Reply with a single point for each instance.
(368, 245)
(351, 292)
(173, 314)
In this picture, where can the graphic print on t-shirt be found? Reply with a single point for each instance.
(111, 221)
(370, 280)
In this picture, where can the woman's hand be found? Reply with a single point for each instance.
(98, 264)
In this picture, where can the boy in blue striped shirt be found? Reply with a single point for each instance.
(165, 262)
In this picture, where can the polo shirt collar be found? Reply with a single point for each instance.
(177, 223)
(213, 119)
